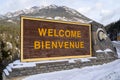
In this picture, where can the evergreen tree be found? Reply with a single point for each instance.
(113, 29)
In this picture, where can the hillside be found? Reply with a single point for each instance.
(113, 30)
(49, 12)
(10, 22)
(10, 27)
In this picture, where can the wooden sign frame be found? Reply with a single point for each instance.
(52, 21)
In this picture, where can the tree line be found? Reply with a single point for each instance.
(113, 30)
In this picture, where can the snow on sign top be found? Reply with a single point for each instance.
(43, 39)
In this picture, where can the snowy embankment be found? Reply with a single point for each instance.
(109, 71)
(19, 64)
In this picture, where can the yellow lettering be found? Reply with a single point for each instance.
(54, 44)
(73, 33)
(55, 33)
(67, 33)
(57, 44)
(72, 44)
(81, 44)
(42, 43)
(42, 31)
(66, 45)
(76, 44)
(47, 44)
(61, 33)
(60, 44)
(78, 34)
(36, 45)
(50, 32)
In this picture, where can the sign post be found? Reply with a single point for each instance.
(43, 39)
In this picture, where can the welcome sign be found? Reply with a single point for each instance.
(43, 39)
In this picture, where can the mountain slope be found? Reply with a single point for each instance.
(49, 12)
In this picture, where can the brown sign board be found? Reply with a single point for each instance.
(43, 39)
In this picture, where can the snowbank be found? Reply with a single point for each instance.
(110, 71)
(19, 64)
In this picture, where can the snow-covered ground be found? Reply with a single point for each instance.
(109, 71)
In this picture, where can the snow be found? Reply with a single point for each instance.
(106, 50)
(109, 71)
(71, 61)
(84, 60)
(49, 18)
(99, 51)
(17, 13)
(60, 18)
(52, 6)
(9, 68)
(78, 19)
(6, 71)
(9, 15)
(81, 59)
(92, 58)
(71, 11)
(18, 64)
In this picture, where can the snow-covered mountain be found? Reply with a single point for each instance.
(48, 12)
(2, 17)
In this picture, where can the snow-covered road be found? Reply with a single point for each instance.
(109, 71)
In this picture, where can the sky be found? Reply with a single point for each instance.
(102, 11)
